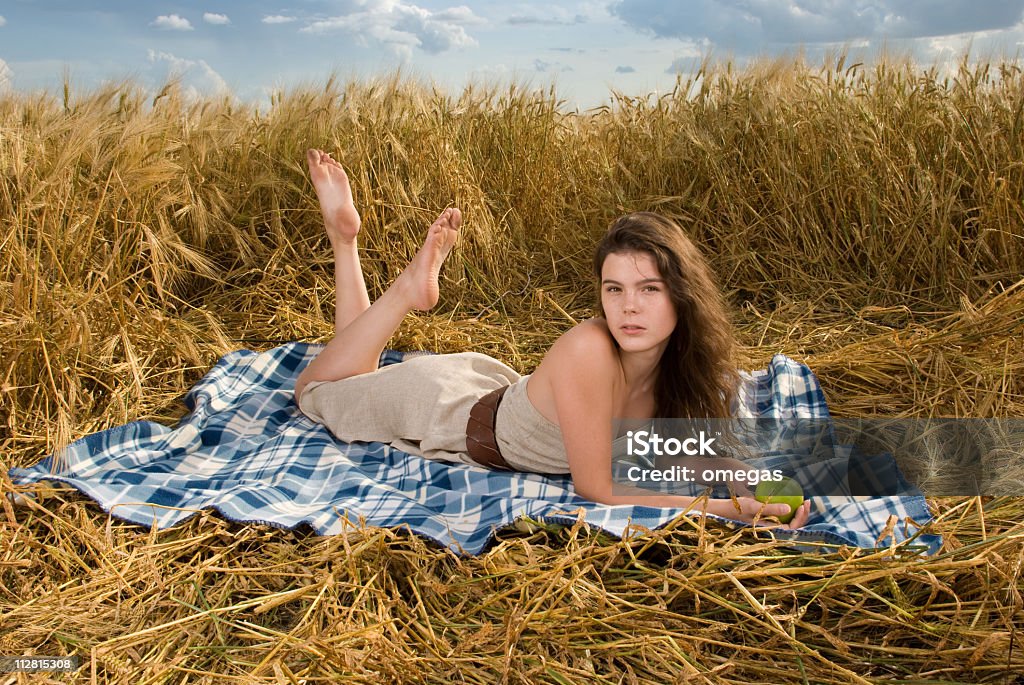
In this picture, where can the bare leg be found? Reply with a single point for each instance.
(342, 222)
(356, 348)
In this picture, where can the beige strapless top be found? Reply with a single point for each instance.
(527, 440)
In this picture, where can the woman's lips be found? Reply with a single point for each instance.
(632, 330)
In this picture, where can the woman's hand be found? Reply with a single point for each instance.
(751, 511)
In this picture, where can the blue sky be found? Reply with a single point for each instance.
(586, 47)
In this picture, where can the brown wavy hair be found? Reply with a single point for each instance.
(697, 375)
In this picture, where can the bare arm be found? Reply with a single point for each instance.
(585, 377)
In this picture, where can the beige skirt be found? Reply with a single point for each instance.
(422, 405)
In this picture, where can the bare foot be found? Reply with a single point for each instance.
(419, 279)
(335, 195)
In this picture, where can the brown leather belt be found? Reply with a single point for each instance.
(480, 442)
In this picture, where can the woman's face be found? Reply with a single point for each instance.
(637, 307)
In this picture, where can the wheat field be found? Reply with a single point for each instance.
(867, 220)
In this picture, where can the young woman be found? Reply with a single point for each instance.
(662, 347)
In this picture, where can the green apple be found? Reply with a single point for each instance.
(785, 491)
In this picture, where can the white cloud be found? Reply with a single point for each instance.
(403, 26)
(459, 15)
(177, 63)
(549, 16)
(752, 23)
(542, 66)
(688, 56)
(594, 10)
(947, 53)
(5, 76)
(555, 14)
(552, 14)
(198, 77)
(218, 19)
(277, 19)
(2, 20)
(172, 22)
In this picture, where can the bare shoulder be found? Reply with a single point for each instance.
(585, 358)
(587, 345)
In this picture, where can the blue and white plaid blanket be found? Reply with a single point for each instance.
(247, 451)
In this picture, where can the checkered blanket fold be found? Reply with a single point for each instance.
(246, 451)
